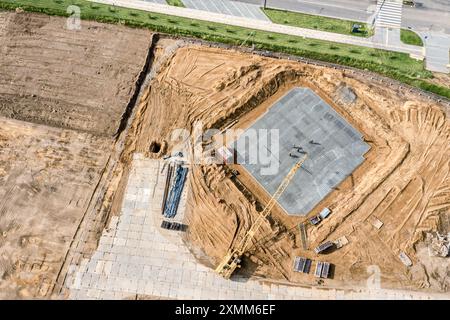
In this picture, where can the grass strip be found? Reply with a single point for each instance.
(395, 65)
(303, 20)
(410, 37)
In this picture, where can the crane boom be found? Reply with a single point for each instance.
(233, 258)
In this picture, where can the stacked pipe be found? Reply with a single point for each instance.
(173, 199)
(166, 188)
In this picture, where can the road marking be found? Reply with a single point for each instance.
(228, 7)
(217, 9)
(157, 1)
(389, 13)
(224, 8)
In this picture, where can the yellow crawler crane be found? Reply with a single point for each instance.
(233, 258)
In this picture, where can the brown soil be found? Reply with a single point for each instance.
(404, 181)
(47, 177)
(80, 79)
(59, 186)
(62, 97)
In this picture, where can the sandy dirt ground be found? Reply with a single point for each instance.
(62, 97)
(47, 176)
(76, 79)
(61, 170)
(404, 181)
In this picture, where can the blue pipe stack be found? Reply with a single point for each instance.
(173, 200)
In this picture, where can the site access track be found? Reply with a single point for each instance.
(263, 25)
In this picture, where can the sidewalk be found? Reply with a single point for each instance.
(263, 25)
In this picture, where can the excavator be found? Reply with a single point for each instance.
(232, 260)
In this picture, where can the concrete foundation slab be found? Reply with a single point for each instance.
(301, 123)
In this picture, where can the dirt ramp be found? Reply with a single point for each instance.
(77, 79)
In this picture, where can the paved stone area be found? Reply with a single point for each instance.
(232, 8)
(135, 256)
(387, 36)
(391, 37)
(302, 119)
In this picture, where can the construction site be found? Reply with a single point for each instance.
(108, 191)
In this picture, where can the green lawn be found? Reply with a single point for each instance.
(410, 37)
(176, 3)
(392, 64)
(308, 21)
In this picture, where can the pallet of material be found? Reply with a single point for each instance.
(173, 226)
(324, 213)
(324, 247)
(340, 242)
(322, 270)
(405, 259)
(302, 265)
(315, 220)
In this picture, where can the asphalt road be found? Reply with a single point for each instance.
(429, 15)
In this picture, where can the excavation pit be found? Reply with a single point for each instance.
(155, 147)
